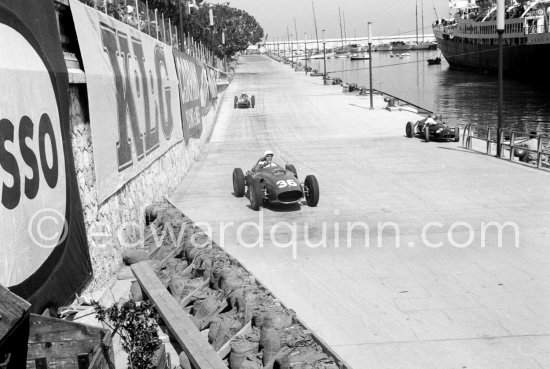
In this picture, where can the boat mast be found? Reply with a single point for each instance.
(296, 30)
(341, 35)
(422, 9)
(435, 10)
(315, 21)
(288, 36)
(345, 33)
(416, 19)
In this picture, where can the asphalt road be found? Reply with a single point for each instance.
(358, 268)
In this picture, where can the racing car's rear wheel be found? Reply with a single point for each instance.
(311, 190)
(409, 129)
(457, 134)
(238, 182)
(235, 102)
(291, 168)
(427, 133)
(256, 195)
(252, 101)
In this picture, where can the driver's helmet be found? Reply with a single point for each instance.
(430, 120)
(268, 153)
(439, 118)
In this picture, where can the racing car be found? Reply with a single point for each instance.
(432, 132)
(275, 184)
(244, 101)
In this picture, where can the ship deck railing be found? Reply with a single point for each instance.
(480, 138)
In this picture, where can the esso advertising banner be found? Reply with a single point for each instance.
(132, 93)
(43, 251)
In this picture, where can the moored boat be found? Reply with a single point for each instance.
(355, 48)
(359, 56)
(434, 61)
(420, 46)
(468, 40)
(400, 45)
(384, 47)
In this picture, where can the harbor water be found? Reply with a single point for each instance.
(461, 97)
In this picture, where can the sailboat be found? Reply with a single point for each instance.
(420, 45)
(319, 53)
(343, 51)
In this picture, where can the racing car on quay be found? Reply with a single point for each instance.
(432, 130)
(244, 101)
(276, 185)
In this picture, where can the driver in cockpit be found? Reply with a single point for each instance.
(265, 161)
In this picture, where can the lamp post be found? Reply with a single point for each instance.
(305, 50)
(369, 29)
(500, 31)
(324, 59)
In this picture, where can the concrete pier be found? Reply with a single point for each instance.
(430, 285)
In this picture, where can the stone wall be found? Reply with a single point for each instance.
(117, 222)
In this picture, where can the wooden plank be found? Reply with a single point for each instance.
(226, 348)
(103, 356)
(46, 329)
(198, 350)
(187, 299)
(13, 310)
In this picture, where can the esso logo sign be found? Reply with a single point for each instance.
(33, 194)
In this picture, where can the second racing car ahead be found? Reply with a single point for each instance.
(275, 184)
(432, 130)
(244, 101)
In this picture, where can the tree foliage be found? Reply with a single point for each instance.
(241, 29)
(136, 323)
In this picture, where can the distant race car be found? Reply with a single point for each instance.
(433, 132)
(275, 184)
(244, 102)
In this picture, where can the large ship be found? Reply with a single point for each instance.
(469, 39)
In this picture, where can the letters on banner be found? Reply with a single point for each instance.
(133, 97)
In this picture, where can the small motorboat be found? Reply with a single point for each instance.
(359, 57)
(434, 61)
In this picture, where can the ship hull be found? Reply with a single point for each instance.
(473, 45)
(525, 60)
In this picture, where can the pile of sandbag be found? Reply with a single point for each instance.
(223, 299)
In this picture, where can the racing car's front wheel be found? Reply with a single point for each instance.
(252, 101)
(291, 168)
(427, 133)
(238, 182)
(256, 195)
(409, 129)
(235, 101)
(311, 189)
(457, 134)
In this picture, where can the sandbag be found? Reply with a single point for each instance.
(223, 329)
(176, 287)
(136, 293)
(241, 351)
(133, 256)
(270, 340)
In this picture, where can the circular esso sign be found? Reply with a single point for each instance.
(33, 196)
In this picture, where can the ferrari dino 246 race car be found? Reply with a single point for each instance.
(433, 132)
(275, 184)
(244, 101)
